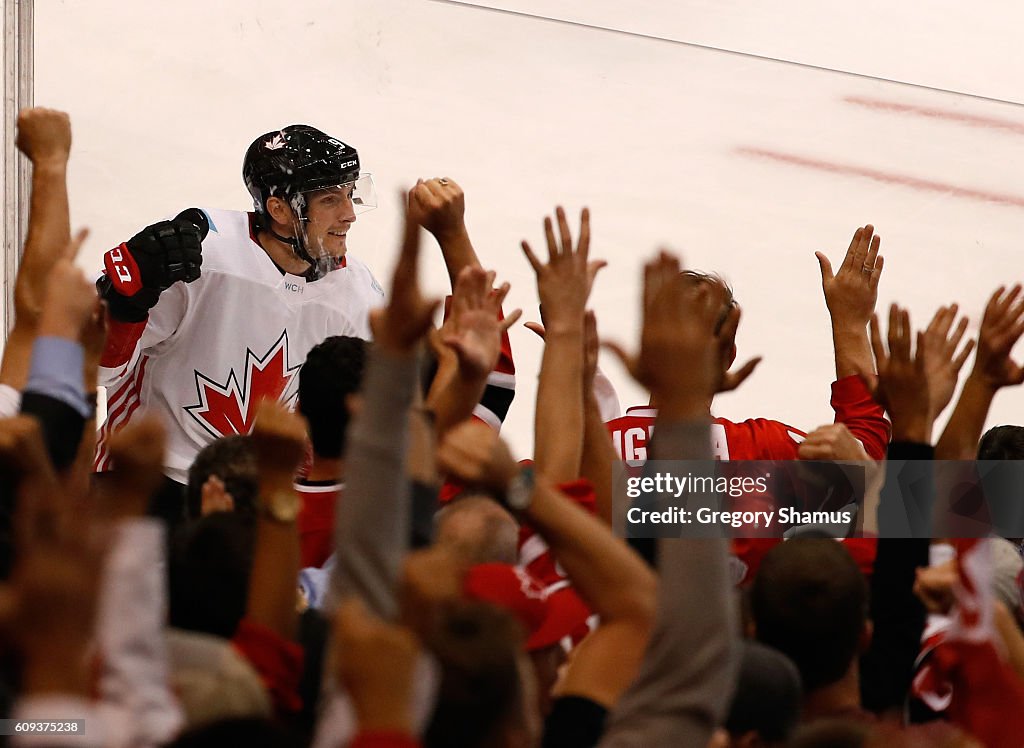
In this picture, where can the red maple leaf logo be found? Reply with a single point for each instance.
(230, 408)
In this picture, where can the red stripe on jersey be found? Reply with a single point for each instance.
(122, 338)
(119, 416)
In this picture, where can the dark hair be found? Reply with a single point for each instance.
(210, 562)
(478, 647)
(1002, 443)
(768, 695)
(233, 460)
(333, 370)
(810, 602)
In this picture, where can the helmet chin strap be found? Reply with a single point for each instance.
(317, 268)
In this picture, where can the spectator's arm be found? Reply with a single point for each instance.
(615, 582)
(372, 521)
(686, 678)
(439, 206)
(564, 284)
(1001, 328)
(850, 295)
(44, 136)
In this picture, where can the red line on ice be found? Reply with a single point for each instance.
(975, 120)
(925, 185)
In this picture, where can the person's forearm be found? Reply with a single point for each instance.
(49, 223)
(457, 250)
(453, 399)
(604, 570)
(959, 440)
(852, 349)
(558, 428)
(598, 455)
(275, 566)
(372, 518)
(686, 680)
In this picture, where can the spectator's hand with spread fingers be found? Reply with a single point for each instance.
(563, 284)
(850, 295)
(1001, 328)
(994, 368)
(903, 386)
(941, 359)
(731, 379)
(468, 346)
(678, 325)
(473, 330)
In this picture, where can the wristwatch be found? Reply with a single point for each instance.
(519, 493)
(281, 505)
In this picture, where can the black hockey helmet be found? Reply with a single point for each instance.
(293, 161)
(296, 159)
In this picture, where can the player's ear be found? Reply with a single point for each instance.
(279, 211)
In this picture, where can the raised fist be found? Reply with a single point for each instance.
(44, 135)
(438, 205)
(136, 272)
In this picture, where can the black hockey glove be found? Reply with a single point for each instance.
(135, 273)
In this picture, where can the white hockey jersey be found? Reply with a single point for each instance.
(212, 349)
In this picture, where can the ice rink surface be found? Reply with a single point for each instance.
(695, 141)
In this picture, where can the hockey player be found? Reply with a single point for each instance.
(203, 328)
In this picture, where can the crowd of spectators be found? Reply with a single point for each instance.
(359, 559)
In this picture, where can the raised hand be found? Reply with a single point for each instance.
(850, 294)
(44, 136)
(279, 438)
(473, 329)
(679, 353)
(726, 336)
(438, 205)
(400, 325)
(903, 379)
(564, 282)
(941, 359)
(1001, 328)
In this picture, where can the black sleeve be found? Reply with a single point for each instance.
(62, 426)
(898, 616)
(574, 722)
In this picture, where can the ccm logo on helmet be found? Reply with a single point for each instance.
(347, 164)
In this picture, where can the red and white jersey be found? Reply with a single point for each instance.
(212, 349)
(760, 438)
(316, 521)
(763, 439)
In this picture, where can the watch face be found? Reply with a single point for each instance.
(283, 505)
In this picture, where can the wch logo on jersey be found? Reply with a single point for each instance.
(230, 408)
